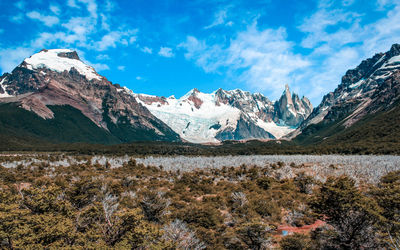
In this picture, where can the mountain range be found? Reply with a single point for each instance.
(228, 115)
(53, 96)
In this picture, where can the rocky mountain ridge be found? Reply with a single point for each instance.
(228, 115)
(372, 87)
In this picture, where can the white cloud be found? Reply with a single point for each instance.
(108, 40)
(55, 9)
(46, 20)
(104, 22)
(219, 18)
(99, 66)
(91, 6)
(17, 18)
(315, 26)
(109, 5)
(139, 78)
(81, 26)
(335, 50)
(90, 31)
(383, 4)
(10, 58)
(121, 68)
(112, 39)
(166, 52)
(263, 59)
(147, 50)
(103, 57)
(132, 39)
(72, 4)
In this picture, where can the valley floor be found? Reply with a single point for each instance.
(228, 202)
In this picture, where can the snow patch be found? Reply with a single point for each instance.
(276, 130)
(395, 59)
(5, 94)
(355, 85)
(49, 59)
(380, 60)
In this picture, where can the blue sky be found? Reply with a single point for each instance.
(167, 47)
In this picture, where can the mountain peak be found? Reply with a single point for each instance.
(287, 89)
(60, 60)
(394, 50)
(192, 92)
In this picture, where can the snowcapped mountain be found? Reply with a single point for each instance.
(53, 79)
(55, 82)
(228, 115)
(370, 88)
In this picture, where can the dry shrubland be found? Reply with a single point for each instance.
(237, 202)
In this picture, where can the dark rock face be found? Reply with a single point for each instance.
(371, 87)
(70, 55)
(244, 130)
(98, 99)
(289, 109)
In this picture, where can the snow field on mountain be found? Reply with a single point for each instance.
(49, 59)
(192, 124)
(276, 130)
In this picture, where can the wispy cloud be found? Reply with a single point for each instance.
(263, 59)
(17, 18)
(55, 9)
(166, 52)
(219, 18)
(121, 68)
(72, 4)
(147, 50)
(100, 66)
(337, 48)
(111, 40)
(46, 20)
(9, 58)
(91, 31)
(103, 57)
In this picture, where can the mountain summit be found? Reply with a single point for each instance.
(55, 82)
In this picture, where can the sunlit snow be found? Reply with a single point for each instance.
(49, 59)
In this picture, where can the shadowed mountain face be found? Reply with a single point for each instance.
(228, 115)
(366, 94)
(58, 78)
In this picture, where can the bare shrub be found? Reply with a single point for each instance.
(154, 205)
(181, 236)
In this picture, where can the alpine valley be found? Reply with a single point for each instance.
(53, 96)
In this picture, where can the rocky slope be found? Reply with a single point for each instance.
(368, 90)
(58, 78)
(228, 115)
